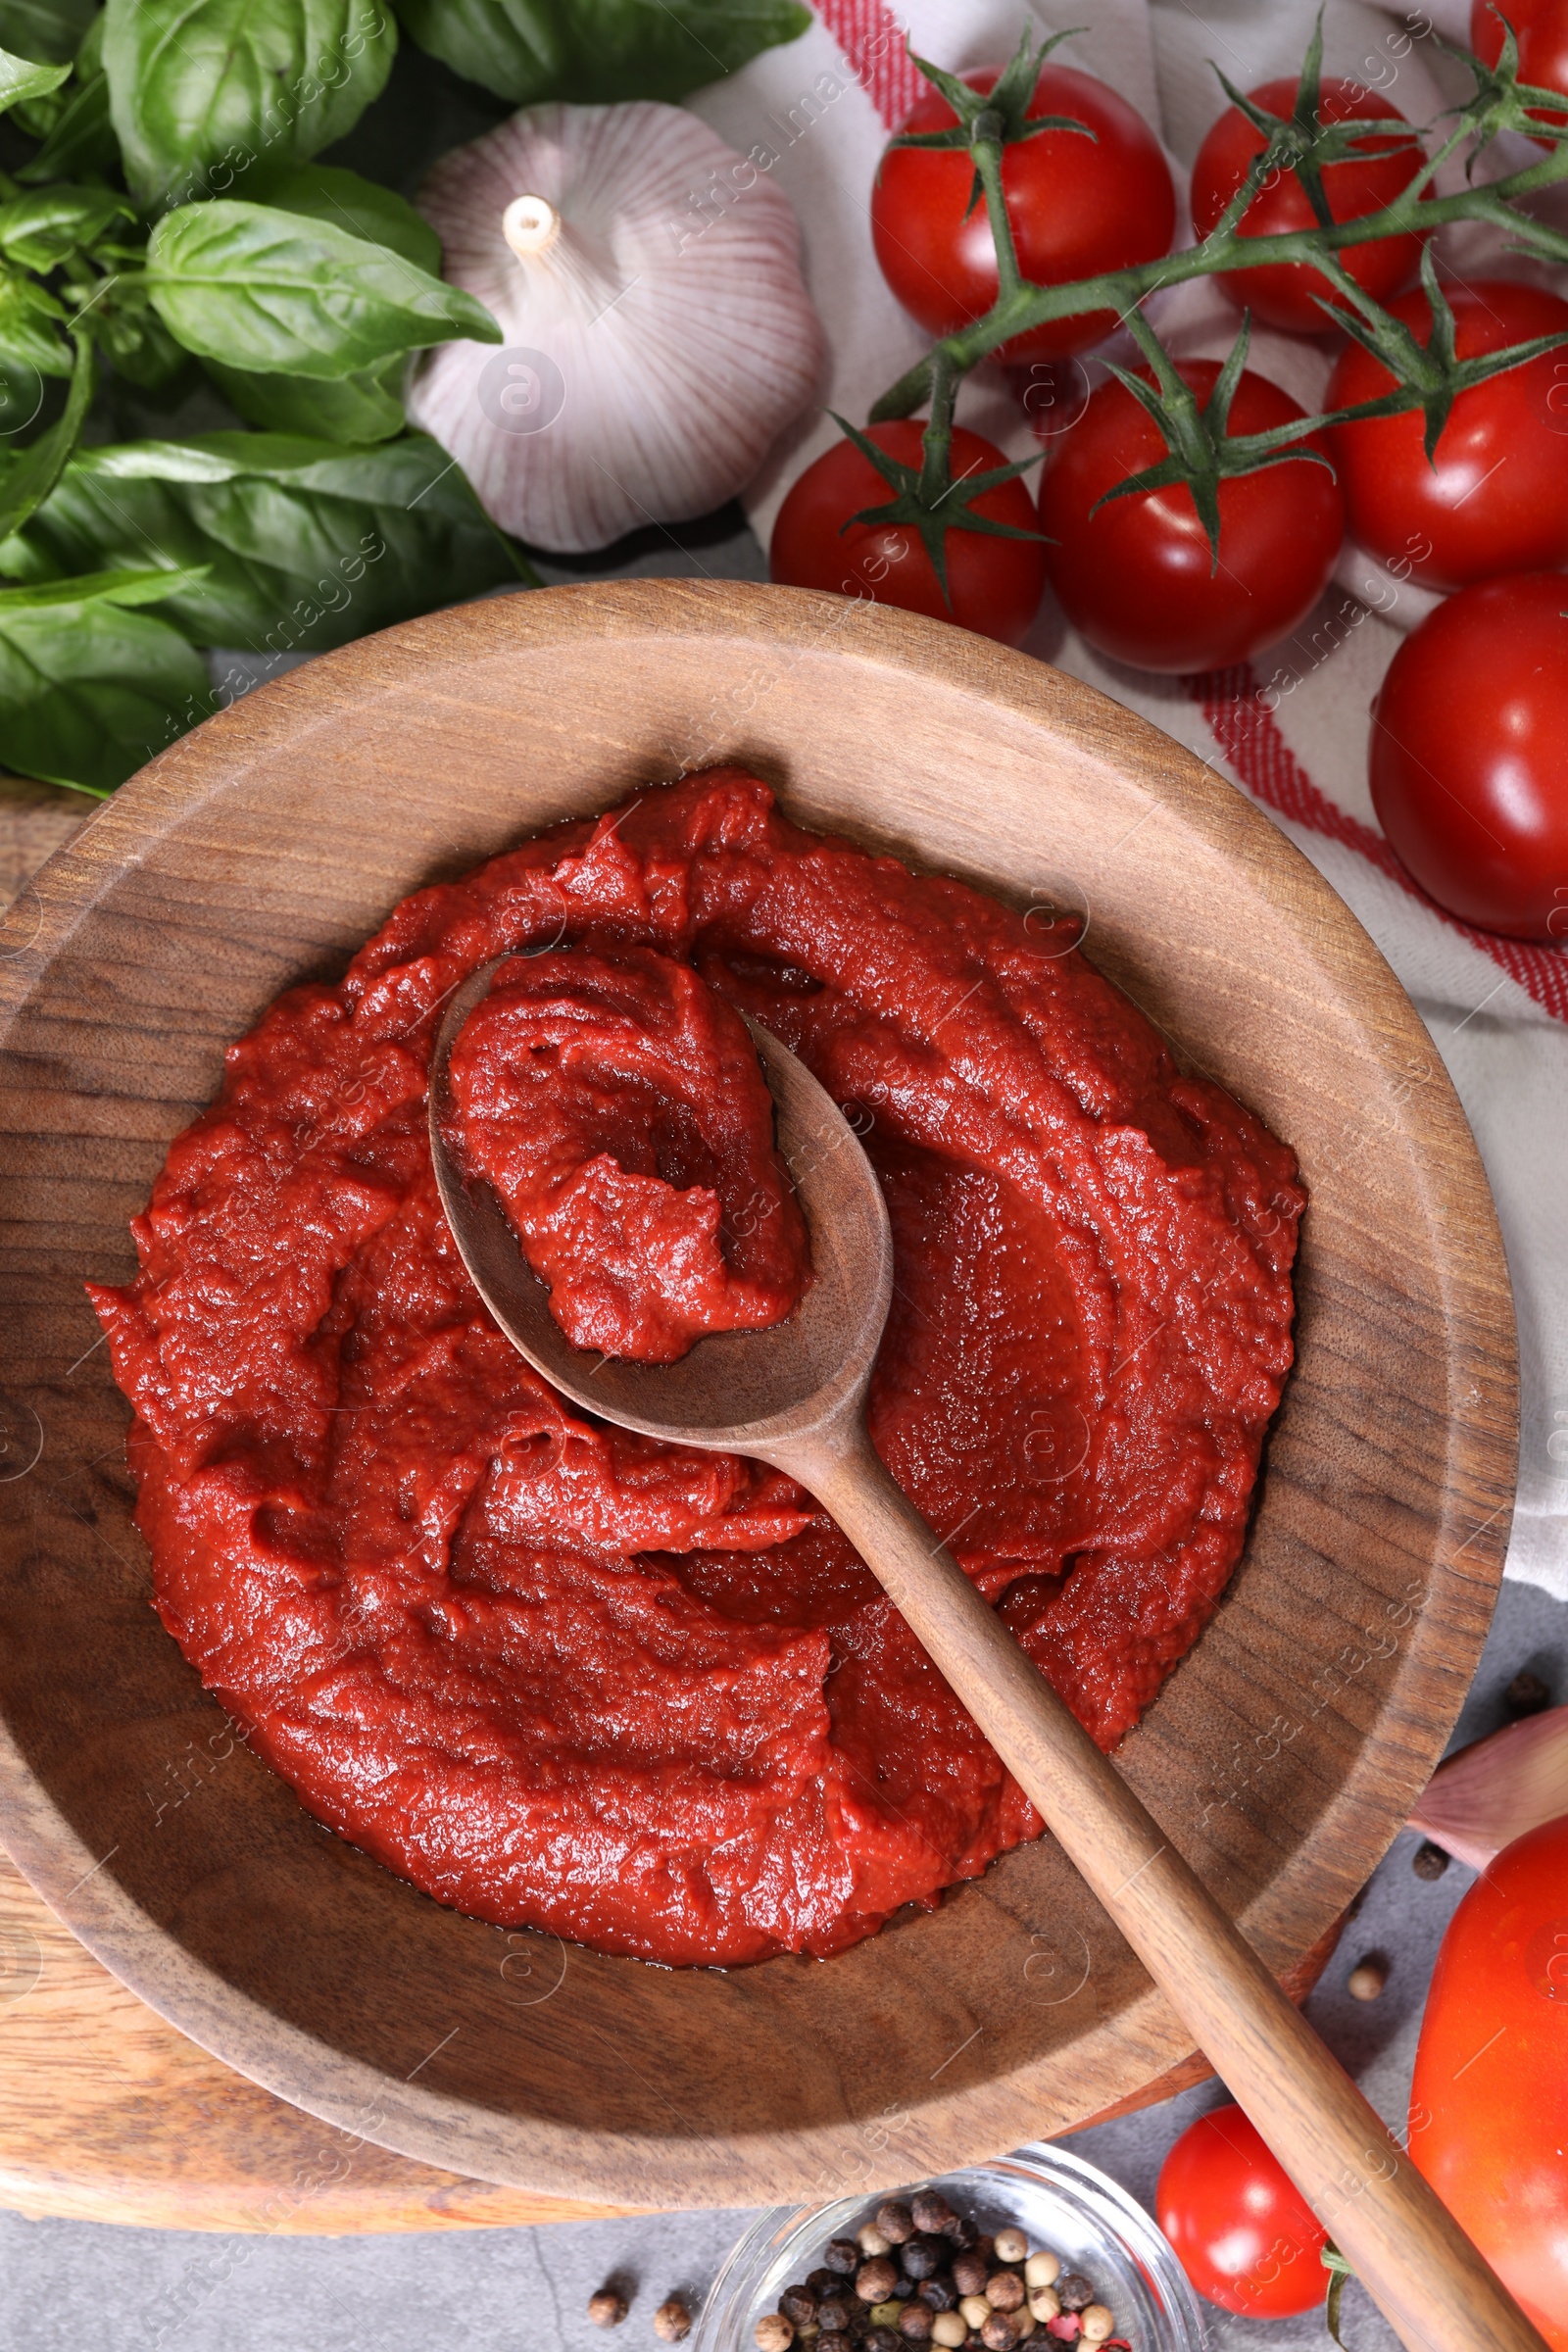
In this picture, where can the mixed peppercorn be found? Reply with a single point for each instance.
(919, 2274)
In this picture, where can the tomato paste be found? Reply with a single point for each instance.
(618, 1107)
(648, 1697)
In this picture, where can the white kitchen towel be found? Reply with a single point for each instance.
(1293, 734)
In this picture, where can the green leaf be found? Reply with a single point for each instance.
(323, 192)
(53, 29)
(30, 326)
(596, 50)
(88, 691)
(203, 85)
(41, 231)
(355, 410)
(125, 587)
(308, 545)
(21, 79)
(38, 467)
(81, 139)
(277, 294)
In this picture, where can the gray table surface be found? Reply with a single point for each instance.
(81, 2287)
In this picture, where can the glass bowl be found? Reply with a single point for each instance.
(1055, 2199)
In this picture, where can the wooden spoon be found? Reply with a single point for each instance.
(795, 1396)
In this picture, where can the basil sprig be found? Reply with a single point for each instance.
(591, 51)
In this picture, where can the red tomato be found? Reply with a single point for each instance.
(1078, 206)
(1488, 2102)
(1495, 497)
(1542, 29)
(1469, 757)
(996, 584)
(1243, 2234)
(1280, 295)
(1138, 578)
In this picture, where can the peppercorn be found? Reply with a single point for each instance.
(1367, 1978)
(923, 2256)
(607, 2308)
(1024, 2324)
(960, 2230)
(833, 2312)
(843, 2255)
(970, 2271)
(1526, 1693)
(798, 2304)
(870, 2240)
(886, 2312)
(1098, 2322)
(672, 2322)
(930, 2211)
(1003, 2290)
(977, 2311)
(774, 2332)
(996, 2333)
(834, 2339)
(824, 2283)
(882, 2339)
(1011, 2245)
(986, 2248)
(1075, 2291)
(894, 2221)
(948, 2329)
(874, 2281)
(914, 2323)
(1043, 2302)
(939, 2293)
(1043, 2269)
(1429, 1861)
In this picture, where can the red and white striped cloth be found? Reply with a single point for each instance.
(1498, 1009)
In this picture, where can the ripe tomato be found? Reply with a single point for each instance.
(1494, 498)
(1469, 756)
(1078, 206)
(996, 584)
(1243, 2234)
(1542, 29)
(1280, 295)
(1488, 2102)
(1138, 578)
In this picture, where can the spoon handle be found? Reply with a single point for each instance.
(1411, 2256)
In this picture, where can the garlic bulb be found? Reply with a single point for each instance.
(659, 336)
(1495, 1789)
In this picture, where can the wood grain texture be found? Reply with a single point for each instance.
(1283, 1753)
(107, 2114)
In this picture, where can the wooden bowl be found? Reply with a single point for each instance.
(1282, 1756)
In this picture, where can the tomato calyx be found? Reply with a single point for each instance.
(1339, 2269)
(988, 121)
(1501, 102)
(1428, 376)
(926, 499)
(1304, 143)
(1201, 452)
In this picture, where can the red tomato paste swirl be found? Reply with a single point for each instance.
(561, 1676)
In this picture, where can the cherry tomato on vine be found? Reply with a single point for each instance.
(1138, 579)
(1540, 27)
(1281, 294)
(1241, 2230)
(1488, 2102)
(996, 584)
(1494, 496)
(1469, 757)
(1078, 206)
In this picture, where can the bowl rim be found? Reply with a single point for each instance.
(417, 2118)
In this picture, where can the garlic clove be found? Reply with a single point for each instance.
(1495, 1789)
(659, 332)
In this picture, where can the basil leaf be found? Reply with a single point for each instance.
(29, 481)
(355, 409)
(21, 79)
(41, 231)
(323, 192)
(89, 691)
(81, 138)
(30, 326)
(277, 294)
(131, 337)
(47, 28)
(193, 82)
(592, 50)
(307, 545)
